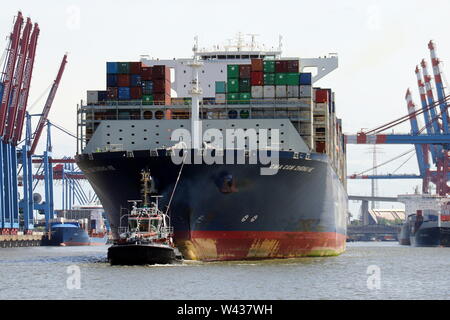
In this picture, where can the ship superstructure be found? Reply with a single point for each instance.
(128, 128)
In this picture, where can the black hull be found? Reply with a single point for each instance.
(404, 235)
(228, 211)
(431, 237)
(140, 254)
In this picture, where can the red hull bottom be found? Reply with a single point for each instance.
(241, 245)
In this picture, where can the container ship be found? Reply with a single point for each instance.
(81, 226)
(428, 221)
(223, 210)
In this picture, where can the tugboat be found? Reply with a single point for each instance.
(147, 237)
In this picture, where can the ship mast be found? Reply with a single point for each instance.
(195, 92)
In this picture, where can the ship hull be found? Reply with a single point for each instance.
(431, 237)
(231, 211)
(69, 236)
(138, 254)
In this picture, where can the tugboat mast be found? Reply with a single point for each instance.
(146, 178)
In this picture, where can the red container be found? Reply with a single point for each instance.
(257, 65)
(136, 93)
(111, 93)
(321, 96)
(161, 86)
(162, 99)
(281, 66)
(257, 78)
(320, 147)
(135, 68)
(123, 80)
(245, 71)
(161, 72)
(146, 73)
(293, 66)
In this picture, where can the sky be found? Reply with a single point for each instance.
(379, 44)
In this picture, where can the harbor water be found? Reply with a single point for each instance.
(367, 270)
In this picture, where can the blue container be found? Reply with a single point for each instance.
(147, 87)
(124, 93)
(305, 79)
(111, 80)
(135, 80)
(102, 96)
(1, 90)
(111, 67)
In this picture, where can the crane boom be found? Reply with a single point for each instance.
(18, 80)
(23, 99)
(47, 107)
(9, 71)
(438, 74)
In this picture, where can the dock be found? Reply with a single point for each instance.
(21, 240)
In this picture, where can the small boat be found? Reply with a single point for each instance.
(147, 238)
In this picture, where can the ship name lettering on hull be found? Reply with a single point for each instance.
(292, 168)
(99, 169)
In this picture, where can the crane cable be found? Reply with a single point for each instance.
(406, 117)
(404, 163)
(386, 162)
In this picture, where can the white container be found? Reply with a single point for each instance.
(281, 91)
(305, 91)
(257, 92)
(292, 91)
(92, 97)
(323, 107)
(269, 92)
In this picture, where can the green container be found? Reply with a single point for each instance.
(293, 79)
(147, 99)
(123, 67)
(244, 85)
(281, 79)
(269, 79)
(233, 98)
(269, 66)
(221, 87)
(187, 101)
(244, 114)
(233, 85)
(244, 98)
(233, 71)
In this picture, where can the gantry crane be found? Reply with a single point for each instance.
(436, 140)
(28, 151)
(14, 91)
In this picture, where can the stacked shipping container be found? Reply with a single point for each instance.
(264, 79)
(131, 81)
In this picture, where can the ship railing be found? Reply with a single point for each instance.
(167, 230)
(122, 230)
(109, 105)
(111, 148)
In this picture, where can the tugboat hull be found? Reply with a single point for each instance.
(140, 254)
